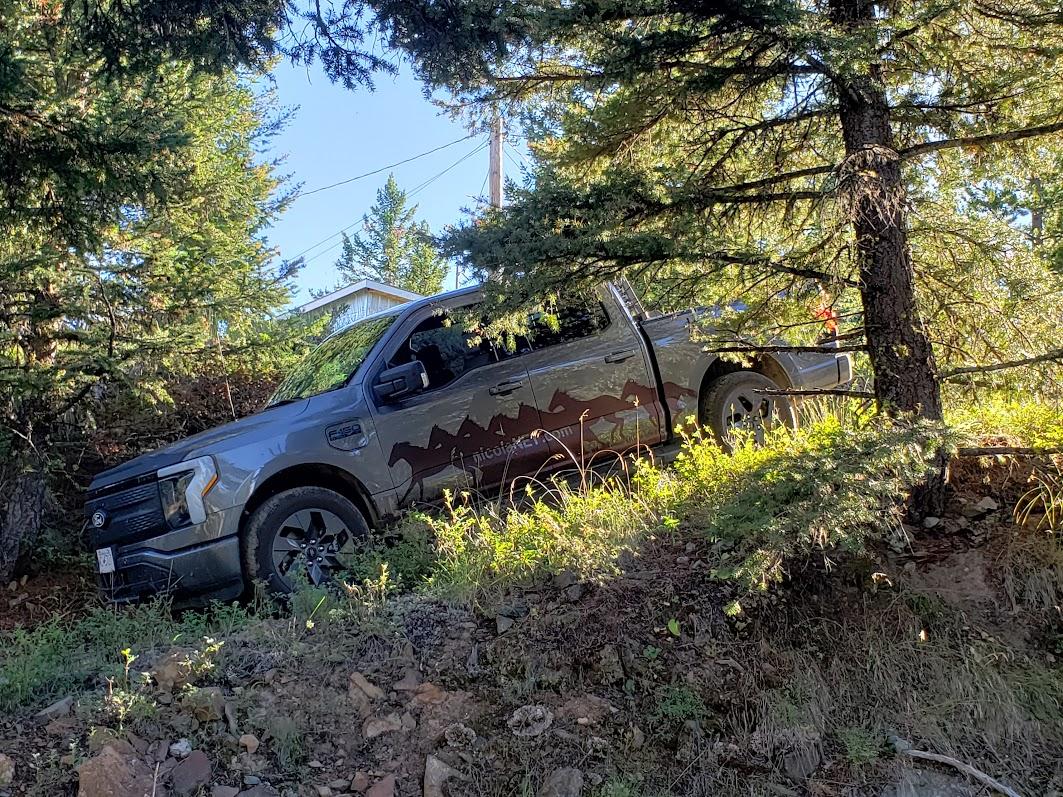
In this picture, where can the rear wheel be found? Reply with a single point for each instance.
(310, 531)
(735, 405)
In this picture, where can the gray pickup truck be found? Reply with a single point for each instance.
(396, 408)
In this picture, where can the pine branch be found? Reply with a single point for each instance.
(861, 394)
(752, 185)
(1048, 356)
(781, 348)
(976, 141)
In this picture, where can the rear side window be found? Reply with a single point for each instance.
(573, 317)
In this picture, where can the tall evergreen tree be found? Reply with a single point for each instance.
(773, 142)
(134, 202)
(393, 246)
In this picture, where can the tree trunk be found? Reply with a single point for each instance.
(23, 512)
(899, 348)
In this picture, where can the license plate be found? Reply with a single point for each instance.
(105, 560)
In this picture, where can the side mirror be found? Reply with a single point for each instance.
(403, 380)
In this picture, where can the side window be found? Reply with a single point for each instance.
(446, 349)
(573, 318)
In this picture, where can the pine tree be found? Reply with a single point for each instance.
(769, 143)
(134, 203)
(393, 247)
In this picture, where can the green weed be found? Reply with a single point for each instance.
(861, 746)
(60, 657)
(679, 704)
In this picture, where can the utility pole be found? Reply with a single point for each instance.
(495, 175)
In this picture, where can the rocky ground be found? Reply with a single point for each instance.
(646, 682)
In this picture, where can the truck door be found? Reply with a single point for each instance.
(590, 374)
(471, 428)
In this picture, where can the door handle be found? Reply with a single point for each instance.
(620, 356)
(505, 388)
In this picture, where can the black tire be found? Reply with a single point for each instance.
(732, 402)
(271, 527)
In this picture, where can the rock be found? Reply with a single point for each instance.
(573, 593)
(585, 709)
(371, 691)
(60, 708)
(173, 670)
(566, 782)
(230, 718)
(340, 784)
(259, 790)
(382, 788)
(182, 748)
(410, 681)
(987, 504)
(565, 579)
(503, 623)
(323, 791)
(100, 738)
(140, 745)
(111, 773)
(191, 773)
(377, 726)
(206, 705)
(436, 773)
(61, 726)
(360, 781)
(249, 742)
(428, 693)
(925, 783)
(224, 791)
(930, 522)
(7, 771)
(528, 721)
(361, 704)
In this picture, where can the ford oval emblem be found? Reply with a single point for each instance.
(99, 518)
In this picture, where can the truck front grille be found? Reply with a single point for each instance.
(132, 513)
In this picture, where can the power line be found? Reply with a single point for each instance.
(301, 194)
(425, 184)
(312, 247)
(456, 163)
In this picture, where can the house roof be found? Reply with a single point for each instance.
(355, 287)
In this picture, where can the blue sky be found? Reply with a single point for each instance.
(337, 134)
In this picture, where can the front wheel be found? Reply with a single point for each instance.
(309, 530)
(736, 404)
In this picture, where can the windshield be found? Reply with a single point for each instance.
(329, 365)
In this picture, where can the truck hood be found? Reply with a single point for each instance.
(210, 441)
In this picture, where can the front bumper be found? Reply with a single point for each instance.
(192, 564)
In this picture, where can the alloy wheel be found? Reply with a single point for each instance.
(315, 539)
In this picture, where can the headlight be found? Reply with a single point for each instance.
(174, 494)
(182, 487)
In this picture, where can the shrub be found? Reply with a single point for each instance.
(830, 486)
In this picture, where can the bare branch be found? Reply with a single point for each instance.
(976, 141)
(752, 185)
(861, 394)
(780, 348)
(1010, 451)
(1048, 356)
